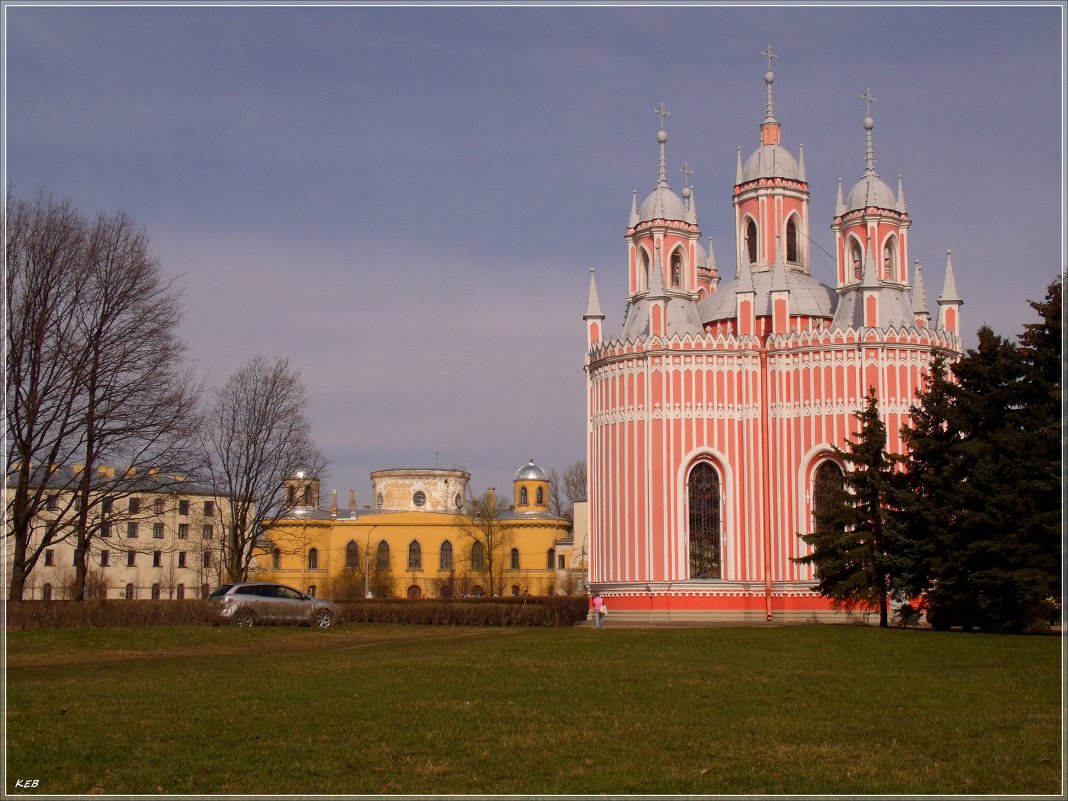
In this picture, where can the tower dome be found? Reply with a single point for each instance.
(530, 472)
(871, 190)
(531, 489)
(662, 203)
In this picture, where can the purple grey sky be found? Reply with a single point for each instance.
(407, 201)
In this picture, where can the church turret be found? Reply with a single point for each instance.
(771, 196)
(919, 298)
(872, 212)
(594, 317)
(949, 301)
(663, 242)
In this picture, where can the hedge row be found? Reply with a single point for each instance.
(556, 610)
(73, 614)
(528, 611)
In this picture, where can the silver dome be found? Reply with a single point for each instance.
(771, 161)
(530, 472)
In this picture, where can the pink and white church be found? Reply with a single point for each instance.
(712, 413)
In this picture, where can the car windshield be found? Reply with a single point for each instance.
(221, 590)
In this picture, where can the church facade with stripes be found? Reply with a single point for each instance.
(713, 413)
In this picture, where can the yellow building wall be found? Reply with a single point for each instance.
(533, 538)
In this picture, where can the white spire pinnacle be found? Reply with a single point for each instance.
(901, 195)
(633, 209)
(919, 294)
(738, 174)
(801, 163)
(871, 276)
(778, 276)
(593, 304)
(839, 205)
(949, 286)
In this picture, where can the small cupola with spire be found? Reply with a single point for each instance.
(872, 211)
(771, 195)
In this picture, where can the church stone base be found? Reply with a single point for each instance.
(726, 603)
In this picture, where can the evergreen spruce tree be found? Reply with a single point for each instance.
(978, 503)
(853, 527)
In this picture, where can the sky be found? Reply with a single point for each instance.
(407, 201)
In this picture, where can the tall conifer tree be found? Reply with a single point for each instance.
(853, 527)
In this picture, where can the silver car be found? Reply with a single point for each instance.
(262, 602)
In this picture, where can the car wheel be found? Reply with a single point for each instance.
(244, 618)
(322, 619)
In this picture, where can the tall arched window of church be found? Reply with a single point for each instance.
(826, 486)
(643, 271)
(751, 241)
(676, 269)
(888, 261)
(704, 493)
(791, 242)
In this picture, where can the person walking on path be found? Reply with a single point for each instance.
(600, 609)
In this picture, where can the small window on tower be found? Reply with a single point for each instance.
(676, 269)
(791, 242)
(856, 260)
(751, 241)
(888, 261)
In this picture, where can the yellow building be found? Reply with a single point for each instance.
(423, 538)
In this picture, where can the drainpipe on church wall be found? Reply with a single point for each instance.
(765, 473)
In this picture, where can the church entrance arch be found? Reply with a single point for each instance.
(415, 592)
(703, 492)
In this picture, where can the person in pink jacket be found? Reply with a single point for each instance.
(600, 609)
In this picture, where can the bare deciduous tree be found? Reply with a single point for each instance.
(566, 488)
(489, 538)
(257, 436)
(96, 375)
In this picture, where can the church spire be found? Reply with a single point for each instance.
(919, 298)
(769, 79)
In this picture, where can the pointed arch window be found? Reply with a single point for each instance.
(676, 269)
(889, 259)
(792, 253)
(856, 258)
(352, 555)
(523, 496)
(446, 555)
(751, 241)
(515, 559)
(541, 496)
(415, 556)
(643, 270)
(383, 555)
(313, 559)
(704, 494)
(826, 491)
(478, 556)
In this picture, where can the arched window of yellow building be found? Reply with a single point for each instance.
(523, 496)
(478, 556)
(446, 555)
(383, 555)
(550, 561)
(515, 589)
(541, 496)
(515, 559)
(352, 555)
(415, 556)
(313, 559)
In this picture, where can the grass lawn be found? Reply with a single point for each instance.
(410, 709)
